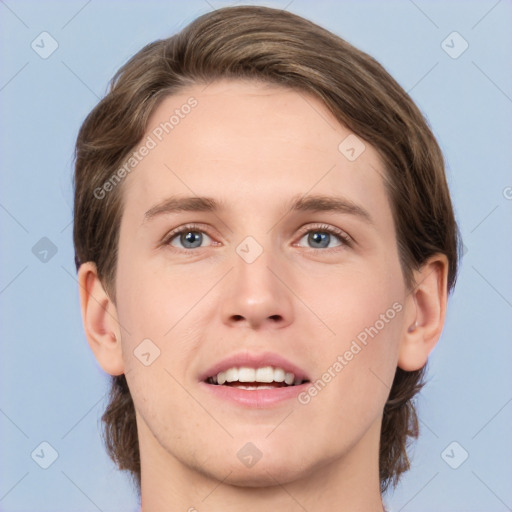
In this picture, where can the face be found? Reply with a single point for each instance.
(290, 262)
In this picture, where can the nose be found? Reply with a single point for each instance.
(256, 294)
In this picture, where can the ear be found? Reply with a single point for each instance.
(425, 313)
(99, 317)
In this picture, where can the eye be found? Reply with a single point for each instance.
(187, 237)
(321, 237)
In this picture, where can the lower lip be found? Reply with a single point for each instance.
(255, 398)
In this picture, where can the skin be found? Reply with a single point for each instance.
(254, 147)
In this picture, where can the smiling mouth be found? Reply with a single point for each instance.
(267, 377)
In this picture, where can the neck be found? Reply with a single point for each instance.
(348, 483)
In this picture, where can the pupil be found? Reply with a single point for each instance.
(319, 237)
(189, 238)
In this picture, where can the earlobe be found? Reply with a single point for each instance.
(426, 313)
(99, 317)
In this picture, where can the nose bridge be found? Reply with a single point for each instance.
(255, 294)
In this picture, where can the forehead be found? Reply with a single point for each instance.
(236, 140)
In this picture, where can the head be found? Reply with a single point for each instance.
(264, 105)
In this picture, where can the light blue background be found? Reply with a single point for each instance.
(51, 386)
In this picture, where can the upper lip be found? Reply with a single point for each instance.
(254, 360)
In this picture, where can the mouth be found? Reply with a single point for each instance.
(254, 380)
(265, 377)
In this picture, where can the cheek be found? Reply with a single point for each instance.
(148, 301)
(164, 316)
(365, 312)
(364, 304)
(157, 347)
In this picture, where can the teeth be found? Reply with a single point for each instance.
(246, 375)
(232, 375)
(289, 378)
(265, 374)
(279, 374)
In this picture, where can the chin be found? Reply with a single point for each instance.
(264, 475)
(270, 469)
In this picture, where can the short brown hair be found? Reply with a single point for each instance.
(277, 47)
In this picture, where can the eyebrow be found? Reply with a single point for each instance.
(324, 203)
(177, 204)
(299, 203)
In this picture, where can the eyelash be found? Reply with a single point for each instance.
(345, 239)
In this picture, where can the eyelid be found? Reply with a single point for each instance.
(345, 238)
(202, 228)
